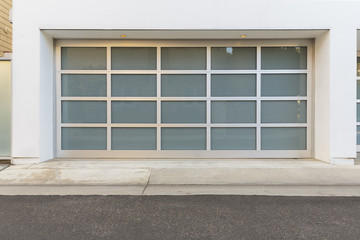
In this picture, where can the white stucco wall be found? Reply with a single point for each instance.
(334, 65)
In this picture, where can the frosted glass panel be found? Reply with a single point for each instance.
(233, 138)
(283, 85)
(358, 112)
(78, 138)
(187, 85)
(133, 58)
(133, 112)
(183, 58)
(233, 112)
(133, 85)
(81, 85)
(358, 135)
(183, 112)
(83, 58)
(283, 111)
(230, 58)
(358, 90)
(83, 111)
(233, 85)
(5, 108)
(283, 138)
(283, 57)
(183, 138)
(133, 138)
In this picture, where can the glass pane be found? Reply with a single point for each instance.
(358, 90)
(83, 138)
(358, 66)
(283, 111)
(183, 58)
(283, 84)
(183, 138)
(133, 85)
(133, 138)
(283, 138)
(183, 112)
(283, 57)
(83, 111)
(233, 85)
(83, 58)
(5, 108)
(233, 112)
(133, 58)
(133, 112)
(81, 85)
(233, 138)
(358, 135)
(358, 112)
(230, 58)
(188, 85)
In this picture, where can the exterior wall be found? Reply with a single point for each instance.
(334, 65)
(5, 27)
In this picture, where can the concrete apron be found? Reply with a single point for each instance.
(287, 177)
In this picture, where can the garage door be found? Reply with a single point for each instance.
(189, 99)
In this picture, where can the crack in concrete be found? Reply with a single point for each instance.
(147, 184)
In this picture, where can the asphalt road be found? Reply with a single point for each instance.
(178, 217)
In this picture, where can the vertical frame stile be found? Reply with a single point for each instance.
(58, 100)
(258, 98)
(158, 96)
(108, 96)
(309, 105)
(208, 97)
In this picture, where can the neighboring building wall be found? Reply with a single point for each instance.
(5, 27)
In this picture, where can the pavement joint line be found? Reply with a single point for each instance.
(147, 184)
(5, 168)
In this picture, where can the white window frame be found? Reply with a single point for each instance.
(119, 154)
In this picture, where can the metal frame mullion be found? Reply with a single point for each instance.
(208, 101)
(258, 98)
(158, 95)
(108, 98)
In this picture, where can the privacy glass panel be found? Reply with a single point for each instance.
(283, 111)
(233, 111)
(183, 138)
(358, 135)
(283, 84)
(80, 138)
(83, 58)
(358, 90)
(283, 57)
(133, 85)
(233, 85)
(358, 112)
(83, 85)
(233, 138)
(133, 138)
(283, 138)
(133, 112)
(183, 58)
(233, 58)
(186, 85)
(83, 111)
(183, 112)
(5, 108)
(133, 58)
